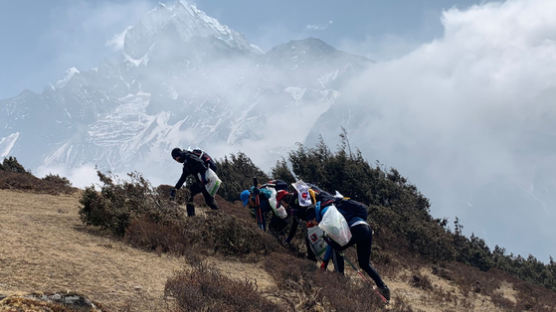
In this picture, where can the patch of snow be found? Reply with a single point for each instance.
(118, 40)
(144, 60)
(328, 78)
(7, 143)
(70, 72)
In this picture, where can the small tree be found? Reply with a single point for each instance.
(12, 165)
(237, 173)
(282, 172)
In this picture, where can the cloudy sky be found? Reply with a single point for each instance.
(41, 39)
(473, 128)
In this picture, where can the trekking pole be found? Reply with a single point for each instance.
(364, 277)
(259, 212)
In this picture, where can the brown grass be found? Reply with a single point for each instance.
(203, 288)
(46, 248)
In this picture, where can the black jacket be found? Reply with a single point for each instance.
(192, 165)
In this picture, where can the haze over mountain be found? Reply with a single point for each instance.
(467, 117)
(180, 79)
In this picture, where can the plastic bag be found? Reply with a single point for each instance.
(213, 182)
(281, 212)
(316, 241)
(302, 189)
(272, 198)
(335, 225)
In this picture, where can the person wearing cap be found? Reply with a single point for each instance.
(197, 167)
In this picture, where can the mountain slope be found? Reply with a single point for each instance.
(46, 248)
(53, 251)
(180, 79)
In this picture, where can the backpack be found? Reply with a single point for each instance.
(352, 210)
(209, 162)
(278, 185)
(270, 189)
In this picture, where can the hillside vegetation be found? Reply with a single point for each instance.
(230, 265)
(14, 176)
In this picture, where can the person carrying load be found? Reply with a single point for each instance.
(201, 166)
(263, 199)
(345, 223)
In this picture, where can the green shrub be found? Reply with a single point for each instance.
(282, 172)
(12, 165)
(116, 205)
(147, 219)
(400, 214)
(237, 173)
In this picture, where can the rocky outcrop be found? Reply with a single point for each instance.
(53, 302)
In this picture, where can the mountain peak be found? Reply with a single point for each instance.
(181, 22)
(311, 45)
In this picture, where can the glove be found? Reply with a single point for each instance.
(173, 193)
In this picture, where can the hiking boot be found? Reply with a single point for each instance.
(385, 292)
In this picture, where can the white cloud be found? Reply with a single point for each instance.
(81, 31)
(117, 42)
(380, 48)
(319, 27)
(470, 118)
(81, 177)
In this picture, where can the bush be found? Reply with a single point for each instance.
(118, 204)
(282, 172)
(312, 290)
(237, 173)
(421, 281)
(14, 176)
(203, 288)
(11, 164)
(215, 232)
(57, 180)
(147, 219)
(399, 213)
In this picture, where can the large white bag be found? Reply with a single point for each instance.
(281, 212)
(335, 226)
(272, 199)
(316, 239)
(213, 182)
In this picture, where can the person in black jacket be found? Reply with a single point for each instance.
(355, 213)
(194, 164)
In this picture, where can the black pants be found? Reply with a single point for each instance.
(362, 237)
(195, 189)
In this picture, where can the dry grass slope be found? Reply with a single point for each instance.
(45, 248)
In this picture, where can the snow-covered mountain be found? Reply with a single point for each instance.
(180, 78)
